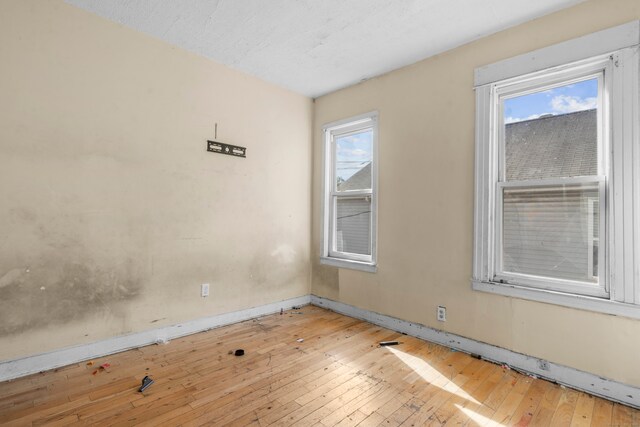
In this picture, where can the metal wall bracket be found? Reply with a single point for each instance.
(232, 150)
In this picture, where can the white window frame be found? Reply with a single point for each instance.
(615, 52)
(330, 255)
(598, 68)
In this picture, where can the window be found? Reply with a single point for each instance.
(350, 193)
(551, 143)
(557, 208)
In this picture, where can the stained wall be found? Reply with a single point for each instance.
(112, 212)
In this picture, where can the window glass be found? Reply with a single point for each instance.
(353, 225)
(552, 231)
(552, 133)
(353, 161)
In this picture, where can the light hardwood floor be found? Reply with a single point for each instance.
(337, 376)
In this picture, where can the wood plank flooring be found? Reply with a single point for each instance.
(308, 367)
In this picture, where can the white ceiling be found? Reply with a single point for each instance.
(317, 46)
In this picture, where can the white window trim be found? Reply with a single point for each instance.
(342, 259)
(622, 265)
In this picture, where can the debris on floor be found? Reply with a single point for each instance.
(300, 340)
(387, 343)
(146, 382)
(102, 367)
(295, 307)
(90, 363)
(239, 352)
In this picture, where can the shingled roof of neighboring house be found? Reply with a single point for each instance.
(358, 181)
(554, 146)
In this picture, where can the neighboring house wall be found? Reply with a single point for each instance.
(354, 215)
(354, 223)
(548, 233)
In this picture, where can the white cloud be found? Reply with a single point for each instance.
(354, 152)
(568, 104)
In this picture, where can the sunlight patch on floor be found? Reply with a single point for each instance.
(477, 419)
(430, 374)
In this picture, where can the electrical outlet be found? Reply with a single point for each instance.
(543, 364)
(204, 290)
(442, 313)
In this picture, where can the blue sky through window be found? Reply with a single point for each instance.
(578, 96)
(353, 152)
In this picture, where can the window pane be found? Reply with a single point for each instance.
(552, 133)
(353, 225)
(353, 161)
(552, 232)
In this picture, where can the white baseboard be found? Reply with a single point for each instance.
(564, 375)
(41, 362)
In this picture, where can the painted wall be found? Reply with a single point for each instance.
(426, 153)
(112, 213)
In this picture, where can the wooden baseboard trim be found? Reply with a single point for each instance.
(12, 369)
(564, 375)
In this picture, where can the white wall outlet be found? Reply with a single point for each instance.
(204, 290)
(442, 313)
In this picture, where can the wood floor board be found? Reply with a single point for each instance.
(566, 406)
(602, 412)
(317, 368)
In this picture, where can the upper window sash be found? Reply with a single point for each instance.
(598, 68)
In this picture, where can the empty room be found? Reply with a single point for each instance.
(320, 212)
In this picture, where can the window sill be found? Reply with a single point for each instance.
(558, 298)
(346, 263)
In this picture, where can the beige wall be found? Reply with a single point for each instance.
(426, 153)
(112, 212)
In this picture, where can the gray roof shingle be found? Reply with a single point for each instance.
(555, 146)
(358, 181)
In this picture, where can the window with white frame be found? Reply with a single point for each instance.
(557, 207)
(350, 169)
